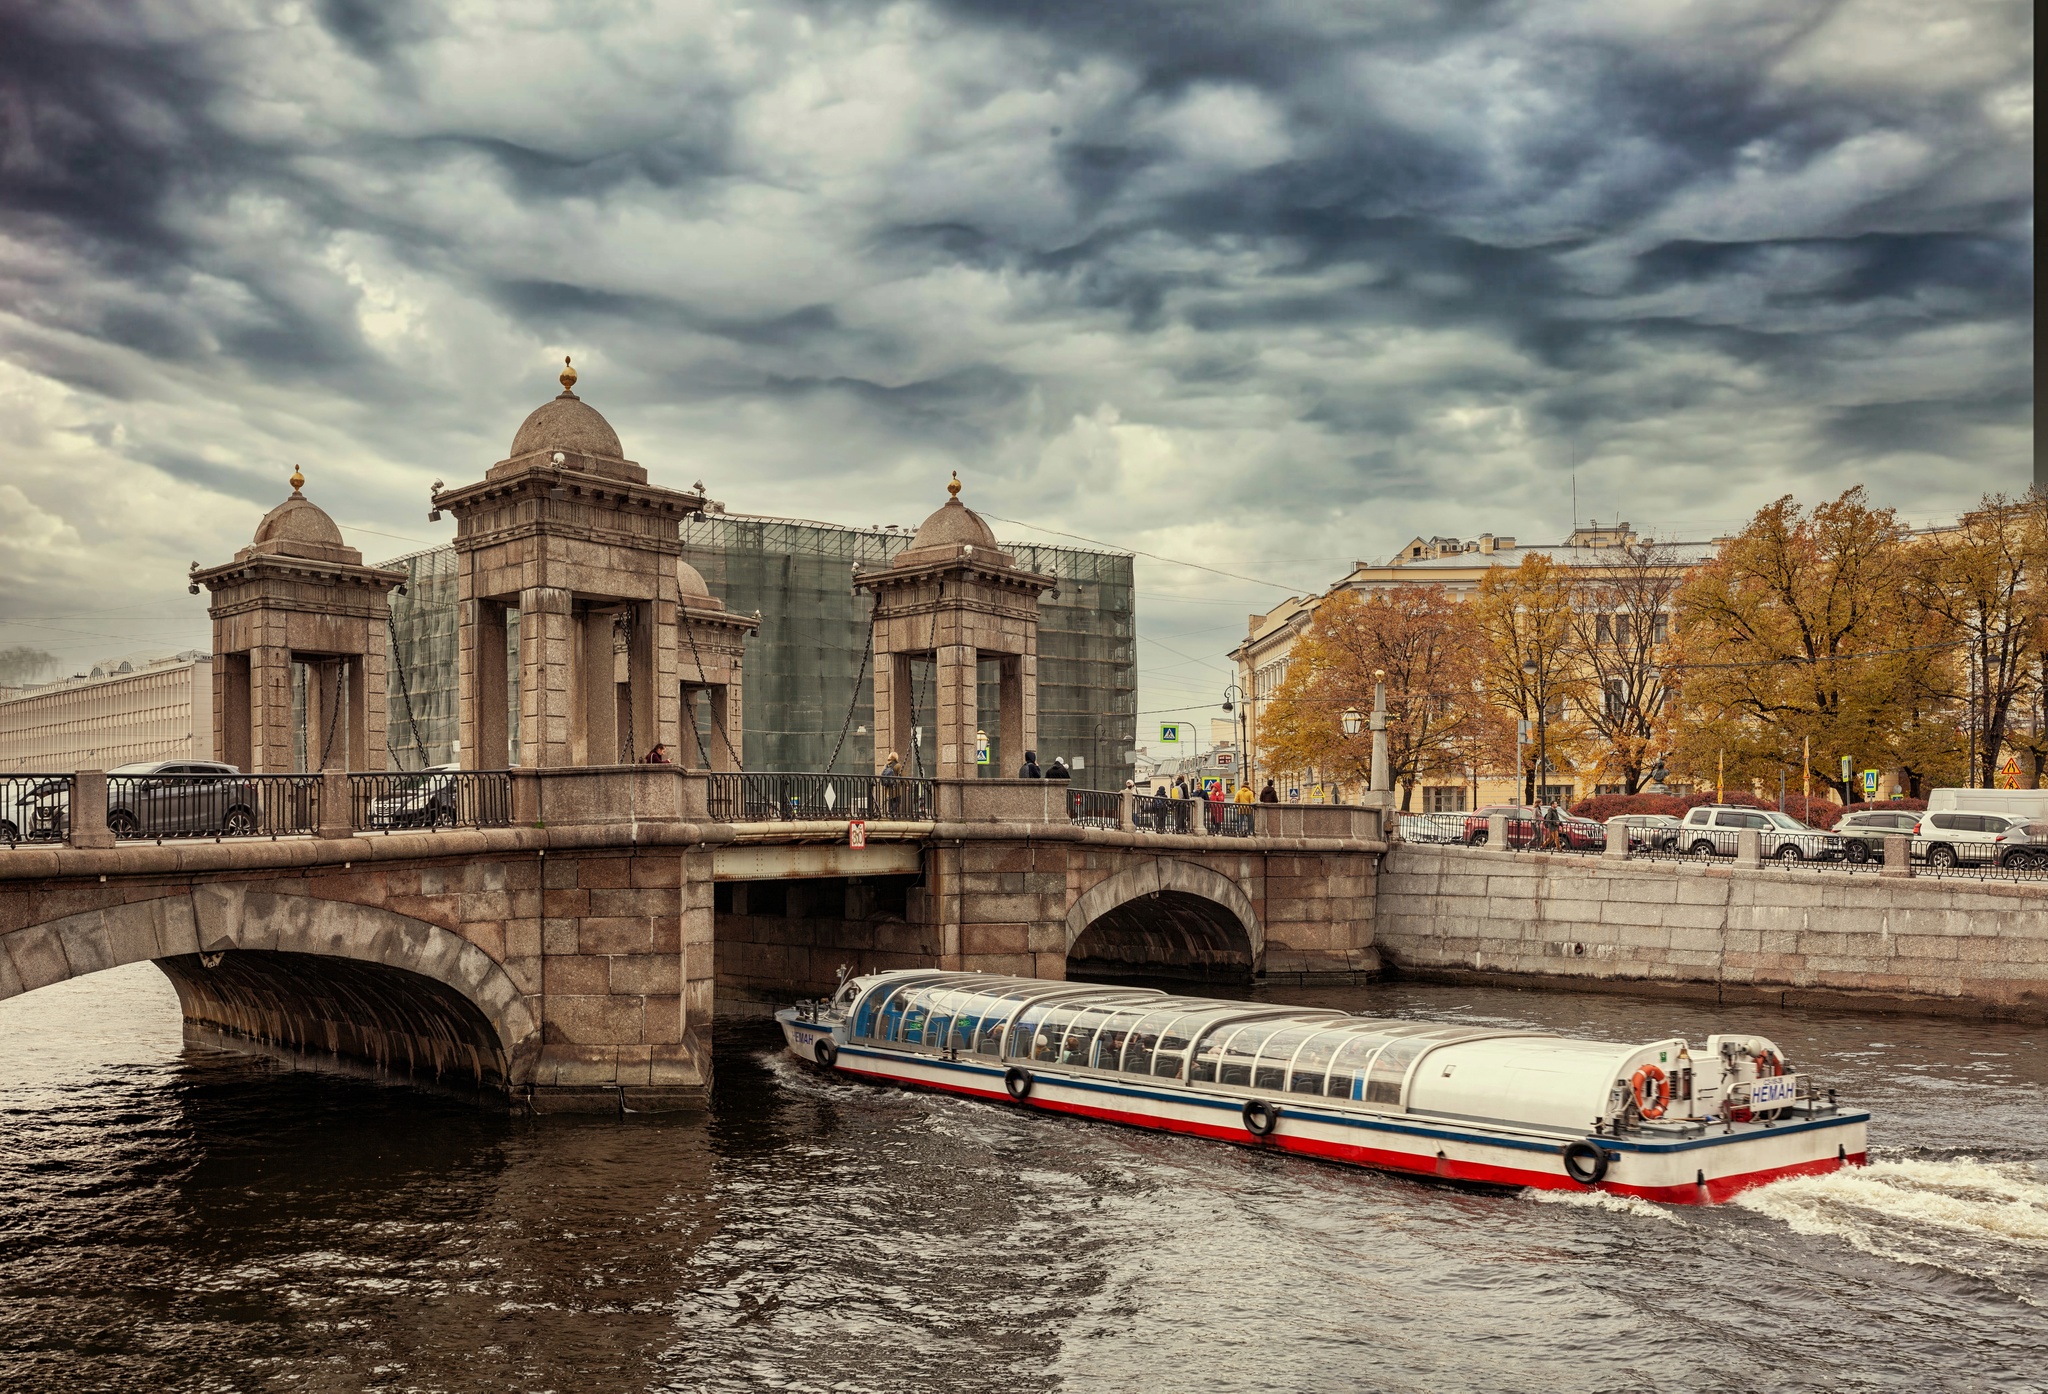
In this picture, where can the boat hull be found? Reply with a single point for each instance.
(1673, 1170)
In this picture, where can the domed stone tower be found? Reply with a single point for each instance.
(297, 594)
(954, 597)
(710, 656)
(567, 533)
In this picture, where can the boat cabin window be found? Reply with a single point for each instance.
(1170, 1060)
(1045, 1041)
(1079, 1046)
(1277, 1053)
(1313, 1063)
(1109, 1043)
(1143, 1040)
(988, 1033)
(1241, 1048)
(890, 1028)
(1347, 1070)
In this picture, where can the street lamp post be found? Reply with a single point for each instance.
(1530, 669)
(1233, 701)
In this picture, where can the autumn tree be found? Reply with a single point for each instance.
(1976, 581)
(1620, 625)
(1803, 629)
(1425, 644)
(1530, 661)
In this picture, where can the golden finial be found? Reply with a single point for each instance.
(298, 482)
(568, 373)
(954, 487)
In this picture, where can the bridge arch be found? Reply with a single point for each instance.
(1165, 918)
(304, 972)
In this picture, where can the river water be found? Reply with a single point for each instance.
(175, 1217)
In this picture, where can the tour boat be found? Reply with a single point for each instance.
(1466, 1103)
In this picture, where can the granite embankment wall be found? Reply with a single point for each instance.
(1790, 936)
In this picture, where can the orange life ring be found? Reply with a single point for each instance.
(1768, 1063)
(1658, 1084)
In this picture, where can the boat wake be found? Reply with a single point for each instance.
(1983, 1220)
(1606, 1200)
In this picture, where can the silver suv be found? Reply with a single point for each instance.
(1710, 831)
(1863, 832)
(1958, 839)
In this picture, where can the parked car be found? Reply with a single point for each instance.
(1863, 832)
(1656, 831)
(1964, 839)
(161, 798)
(1525, 828)
(28, 820)
(2025, 848)
(426, 799)
(1711, 830)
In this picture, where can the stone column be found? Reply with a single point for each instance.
(725, 733)
(657, 660)
(368, 747)
(594, 734)
(546, 677)
(270, 717)
(1617, 839)
(231, 714)
(1010, 709)
(956, 715)
(484, 694)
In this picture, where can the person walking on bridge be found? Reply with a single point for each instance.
(1031, 770)
(1269, 794)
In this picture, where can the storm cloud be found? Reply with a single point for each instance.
(1265, 286)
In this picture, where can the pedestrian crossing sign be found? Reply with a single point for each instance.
(1169, 733)
(1870, 784)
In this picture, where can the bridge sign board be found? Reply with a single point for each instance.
(857, 833)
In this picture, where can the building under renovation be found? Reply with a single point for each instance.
(809, 684)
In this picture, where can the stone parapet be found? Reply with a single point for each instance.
(1766, 933)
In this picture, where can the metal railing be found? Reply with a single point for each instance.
(1234, 819)
(399, 799)
(210, 805)
(773, 798)
(1156, 813)
(1431, 827)
(34, 807)
(1095, 808)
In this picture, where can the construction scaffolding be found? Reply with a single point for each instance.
(809, 690)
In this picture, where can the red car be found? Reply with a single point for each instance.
(1525, 828)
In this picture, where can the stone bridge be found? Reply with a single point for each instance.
(575, 959)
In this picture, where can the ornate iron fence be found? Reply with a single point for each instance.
(1095, 808)
(401, 799)
(212, 805)
(1431, 827)
(34, 807)
(1156, 813)
(772, 798)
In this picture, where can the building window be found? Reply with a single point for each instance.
(1602, 633)
(1445, 798)
(1609, 789)
(1621, 631)
(1554, 793)
(1660, 629)
(1617, 698)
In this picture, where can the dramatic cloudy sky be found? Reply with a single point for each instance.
(1267, 286)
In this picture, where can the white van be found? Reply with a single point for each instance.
(2030, 804)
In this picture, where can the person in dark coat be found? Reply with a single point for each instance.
(1058, 769)
(1269, 794)
(1031, 770)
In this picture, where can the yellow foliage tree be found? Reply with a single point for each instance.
(1425, 644)
(1805, 628)
(1531, 665)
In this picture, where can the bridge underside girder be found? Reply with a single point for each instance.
(368, 1012)
(1170, 934)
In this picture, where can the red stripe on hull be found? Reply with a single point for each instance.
(1717, 1189)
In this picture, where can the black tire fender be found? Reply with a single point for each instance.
(1261, 1117)
(825, 1053)
(1018, 1081)
(1585, 1161)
